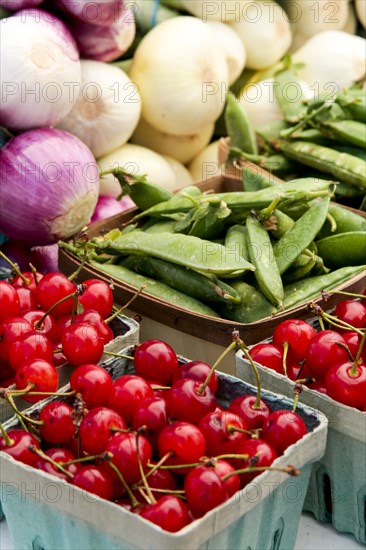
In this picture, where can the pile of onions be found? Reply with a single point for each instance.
(100, 12)
(40, 70)
(182, 175)
(209, 10)
(206, 165)
(49, 188)
(182, 76)
(107, 110)
(232, 47)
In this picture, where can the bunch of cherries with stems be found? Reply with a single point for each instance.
(157, 442)
(331, 360)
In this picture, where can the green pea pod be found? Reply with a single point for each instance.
(345, 191)
(319, 267)
(342, 166)
(345, 219)
(236, 240)
(256, 178)
(155, 288)
(356, 106)
(272, 131)
(300, 269)
(344, 249)
(185, 250)
(191, 190)
(312, 135)
(346, 131)
(163, 226)
(262, 257)
(308, 289)
(350, 150)
(238, 127)
(254, 305)
(210, 220)
(289, 95)
(196, 285)
(300, 235)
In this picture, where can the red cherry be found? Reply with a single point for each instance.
(199, 371)
(94, 479)
(345, 386)
(156, 360)
(325, 349)
(82, 344)
(30, 346)
(127, 394)
(353, 341)
(58, 425)
(318, 386)
(20, 441)
(42, 374)
(124, 450)
(98, 296)
(283, 428)
(297, 334)
(52, 288)
(12, 329)
(243, 406)
(58, 357)
(6, 374)
(96, 429)
(188, 403)
(204, 490)
(232, 483)
(152, 413)
(218, 428)
(32, 280)
(161, 479)
(97, 321)
(27, 299)
(262, 451)
(184, 441)
(60, 455)
(48, 326)
(352, 312)
(94, 383)
(269, 355)
(9, 301)
(170, 513)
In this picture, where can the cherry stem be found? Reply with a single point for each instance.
(159, 464)
(15, 268)
(113, 354)
(239, 457)
(34, 273)
(344, 346)
(232, 429)
(108, 456)
(88, 458)
(204, 385)
(57, 465)
(17, 413)
(156, 387)
(321, 323)
(353, 371)
(38, 324)
(175, 466)
(290, 470)
(8, 441)
(344, 293)
(284, 359)
(257, 403)
(332, 320)
(151, 497)
(297, 391)
(74, 307)
(121, 309)
(82, 263)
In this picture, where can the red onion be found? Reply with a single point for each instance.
(49, 188)
(104, 43)
(101, 12)
(40, 70)
(45, 258)
(108, 206)
(15, 5)
(18, 252)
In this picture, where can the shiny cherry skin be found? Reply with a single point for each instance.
(199, 371)
(97, 295)
(352, 312)
(188, 403)
(12, 329)
(260, 454)
(344, 386)
(325, 349)
(53, 287)
(156, 360)
(232, 483)
(184, 441)
(170, 513)
(268, 355)
(200, 482)
(58, 423)
(124, 450)
(82, 344)
(152, 415)
(221, 432)
(30, 346)
(94, 383)
(27, 299)
(97, 427)
(9, 301)
(42, 374)
(48, 327)
(60, 455)
(127, 394)
(161, 479)
(96, 320)
(353, 341)
(32, 280)
(94, 479)
(20, 441)
(243, 406)
(297, 334)
(283, 428)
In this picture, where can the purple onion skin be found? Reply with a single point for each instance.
(102, 12)
(14, 5)
(18, 252)
(108, 206)
(43, 258)
(104, 43)
(49, 186)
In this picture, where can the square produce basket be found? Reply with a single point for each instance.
(337, 488)
(47, 513)
(207, 328)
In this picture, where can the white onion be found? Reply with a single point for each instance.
(182, 76)
(206, 165)
(181, 148)
(107, 110)
(182, 175)
(137, 160)
(332, 60)
(213, 10)
(265, 32)
(360, 6)
(40, 70)
(351, 23)
(310, 18)
(232, 47)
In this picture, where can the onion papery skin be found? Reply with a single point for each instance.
(100, 12)
(49, 186)
(40, 70)
(104, 43)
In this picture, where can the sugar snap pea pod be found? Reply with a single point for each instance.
(344, 249)
(289, 95)
(191, 190)
(272, 131)
(308, 289)
(354, 104)
(319, 267)
(300, 235)
(275, 221)
(350, 150)
(272, 163)
(238, 127)
(236, 240)
(345, 219)
(262, 257)
(342, 166)
(196, 285)
(210, 220)
(311, 134)
(254, 305)
(300, 269)
(180, 249)
(344, 190)
(255, 179)
(155, 288)
(346, 131)
(160, 226)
